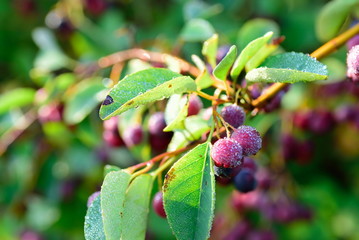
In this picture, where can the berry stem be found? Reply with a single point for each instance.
(321, 52)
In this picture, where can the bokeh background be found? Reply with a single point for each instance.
(52, 151)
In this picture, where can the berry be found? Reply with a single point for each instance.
(289, 146)
(353, 42)
(322, 121)
(224, 176)
(92, 197)
(263, 178)
(111, 124)
(157, 204)
(112, 138)
(226, 153)
(249, 163)
(156, 123)
(245, 181)
(353, 63)
(50, 113)
(234, 115)
(159, 143)
(194, 105)
(249, 138)
(222, 52)
(133, 135)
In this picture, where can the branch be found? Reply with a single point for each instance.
(321, 52)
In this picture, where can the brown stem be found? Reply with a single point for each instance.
(321, 52)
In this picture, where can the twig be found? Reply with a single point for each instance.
(321, 52)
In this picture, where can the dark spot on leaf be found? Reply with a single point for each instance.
(200, 156)
(205, 183)
(168, 178)
(108, 100)
(130, 103)
(121, 213)
(169, 86)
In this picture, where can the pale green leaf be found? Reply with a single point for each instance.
(16, 98)
(197, 30)
(222, 69)
(204, 80)
(176, 113)
(189, 194)
(113, 192)
(209, 49)
(144, 87)
(136, 207)
(247, 53)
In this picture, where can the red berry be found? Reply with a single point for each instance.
(156, 123)
(157, 204)
(133, 135)
(226, 153)
(112, 138)
(195, 105)
(234, 115)
(249, 138)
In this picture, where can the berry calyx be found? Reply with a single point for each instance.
(226, 153)
(249, 138)
(157, 204)
(234, 115)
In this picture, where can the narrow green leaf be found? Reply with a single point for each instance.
(113, 192)
(85, 98)
(197, 30)
(144, 87)
(16, 98)
(135, 212)
(209, 49)
(176, 113)
(222, 69)
(93, 221)
(189, 194)
(203, 80)
(260, 56)
(331, 18)
(247, 53)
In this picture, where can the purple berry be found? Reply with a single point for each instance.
(234, 115)
(353, 42)
(261, 235)
(112, 138)
(353, 63)
(159, 143)
(305, 152)
(321, 121)
(346, 113)
(195, 105)
(50, 113)
(96, 7)
(240, 230)
(249, 163)
(157, 204)
(249, 138)
(245, 181)
(111, 124)
(156, 123)
(133, 135)
(302, 119)
(224, 176)
(222, 52)
(263, 178)
(92, 197)
(289, 146)
(226, 153)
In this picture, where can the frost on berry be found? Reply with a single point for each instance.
(353, 63)
(194, 105)
(245, 181)
(249, 138)
(234, 115)
(226, 153)
(157, 204)
(133, 135)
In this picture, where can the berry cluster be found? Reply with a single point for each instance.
(230, 155)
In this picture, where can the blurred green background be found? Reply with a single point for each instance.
(48, 55)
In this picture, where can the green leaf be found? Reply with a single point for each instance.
(222, 69)
(176, 113)
(195, 126)
(197, 30)
(209, 49)
(204, 80)
(84, 99)
(254, 29)
(260, 56)
(332, 17)
(144, 87)
(189, 194)
(289, 68)
(113, 192)
(135, 212)
(110, 168)
(247, 53)
(93, 221)
(16, 98)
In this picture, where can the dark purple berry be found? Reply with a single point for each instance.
(261, 235)
(289, 146)
(96, 7)
(234, 115)
(321, 121)
(240, 230)
(302, 119)
(249, 138)
(224, 176)
(157, 123)
(353, 63)
(254, 91)
(226, 153)
(133, 135)
(305, 151)
(222, 52)
(159, 143)
(249, 163)
(194, 105)
(245, 181)
(92, 197)
(346, 113)
(157, 204)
